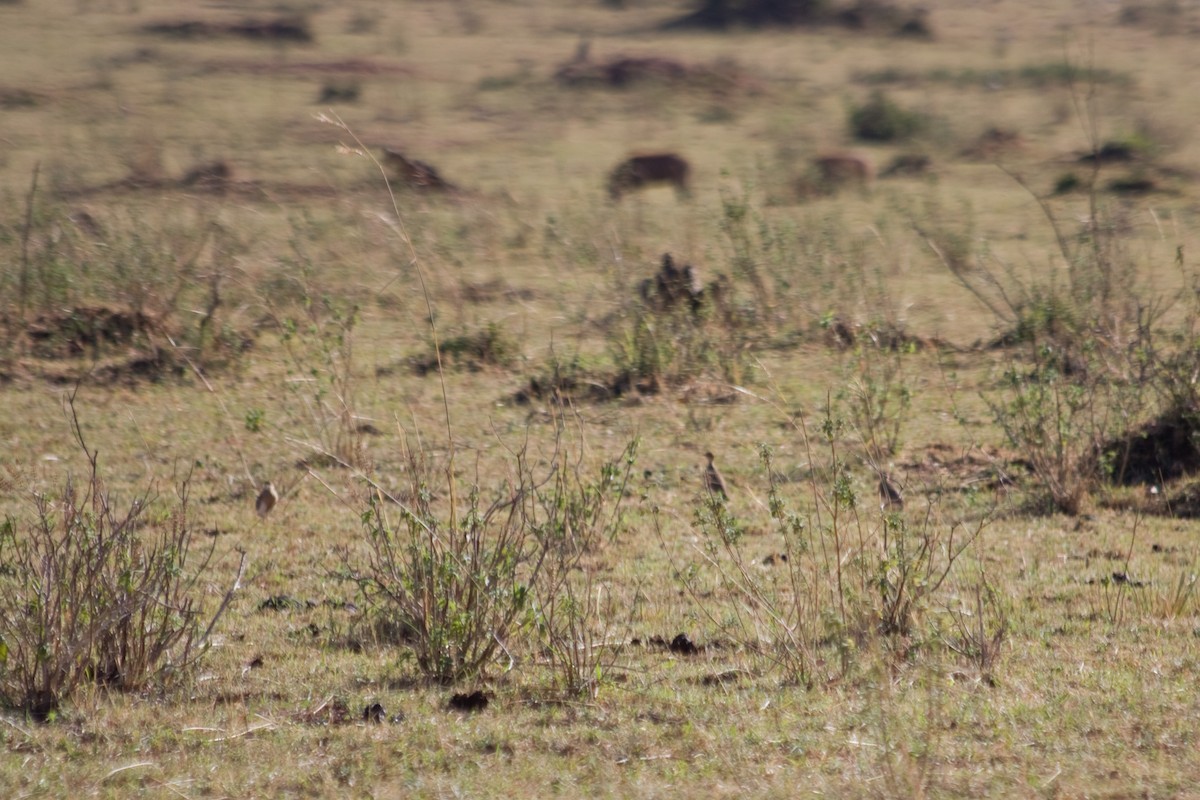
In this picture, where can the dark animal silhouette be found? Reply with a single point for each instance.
(415, 174)
(890, 498)
(639, 172)
(267, 499)
(714, 482)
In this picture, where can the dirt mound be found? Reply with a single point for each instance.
(275, 29)
(102, 343)
(73, 332)
(623, 71)
(349, 67)
(993, 143)
(844, 333)
(877, 16)
(12, 97)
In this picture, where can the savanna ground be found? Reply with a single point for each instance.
(200, 249)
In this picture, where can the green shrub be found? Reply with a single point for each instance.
(488, 346)
(882, 120)
(460, 582)
(455, 583)
(1066, 183)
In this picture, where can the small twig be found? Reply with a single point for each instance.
(314, 712)
(247, 732)
(167, 785)
(237, 584)
(667, 757)
(119, 770)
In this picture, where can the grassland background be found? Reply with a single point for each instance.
(1082, 705)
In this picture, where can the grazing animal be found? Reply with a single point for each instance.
(890, 498)
(267, 499)
(415, 174)
(714, 482)
(638, 172)
(841, 169)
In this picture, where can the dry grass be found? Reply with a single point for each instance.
(1093, 690)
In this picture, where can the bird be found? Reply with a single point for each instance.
(267, 499)
(713, 482)
(890, 498)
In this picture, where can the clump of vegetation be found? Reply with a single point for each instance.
(1066, 183)
(461, 582)
(13, 98)
(850, 576)
(322, 378)
(488, 346)
(721, 14)
(1164, 16)
(575, 613)
(1059, 421)
(457, 586)
(1034, 76)
(881, 119)
(877, 395)
(1097, 351)
(93, 594)
(1133, 184)
(680, 331)
(340, 92)
(137, 296)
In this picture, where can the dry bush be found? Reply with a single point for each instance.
(91, 594)
(487, 346)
